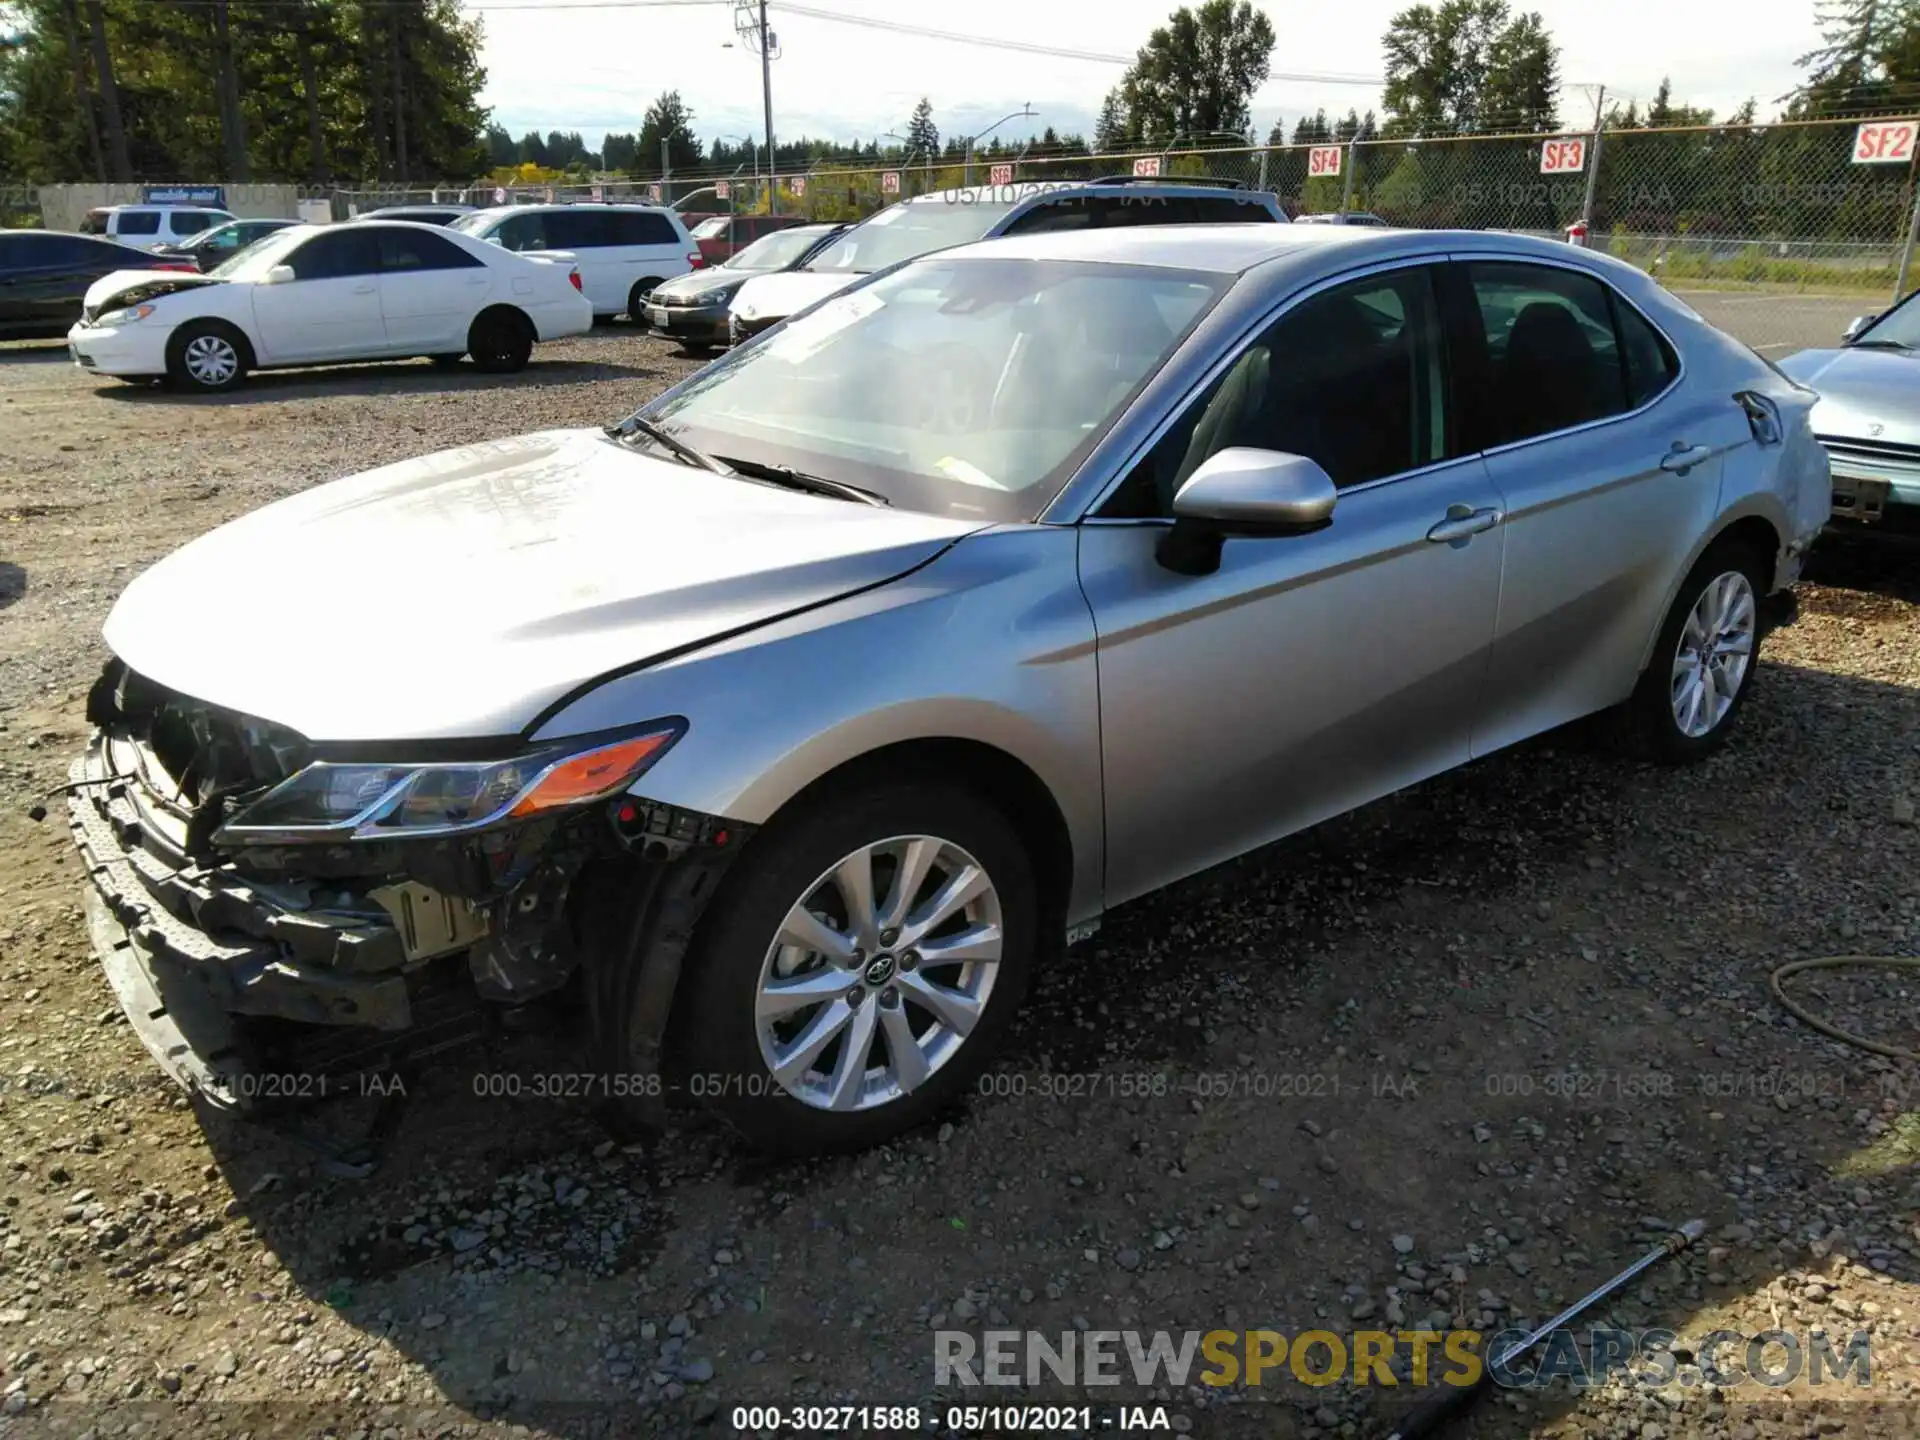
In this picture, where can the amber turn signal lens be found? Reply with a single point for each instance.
(592, 774)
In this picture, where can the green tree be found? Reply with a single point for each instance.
(668, 120)
(620, 151)
(1312, 129)
(1197, 73)
(923, 136)
(1868, 62)
(1110, 130)
(1469, 67)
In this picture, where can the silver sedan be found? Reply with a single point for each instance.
(1869, 417)
(792, 723)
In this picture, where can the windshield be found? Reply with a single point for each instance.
(473, 224)
(261, 256)
(711, 229)
(775, 251)
(968, 388)
(1899, 326)
(908, 230)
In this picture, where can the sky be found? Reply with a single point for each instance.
(595, 65)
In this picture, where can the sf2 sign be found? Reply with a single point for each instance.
(1147, 165)
(1000, 175)
(890, 183)
(1323, 160)
(1884, 142)
(1563, 157)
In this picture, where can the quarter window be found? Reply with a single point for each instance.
(1352, 378)
(640, 227)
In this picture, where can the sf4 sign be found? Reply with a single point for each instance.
(1147, 165)
(890, 183)
(1323, 160)
(1000, 175)
(1563, 157)
(1884, 142)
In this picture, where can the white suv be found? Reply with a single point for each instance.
(150, 226)
(622, 251)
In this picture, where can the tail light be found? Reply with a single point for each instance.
(697, 260)
(170, 265)
(573, 277)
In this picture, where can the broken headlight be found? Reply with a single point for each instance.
(333, 801)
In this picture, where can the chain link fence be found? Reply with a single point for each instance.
(1772, 231)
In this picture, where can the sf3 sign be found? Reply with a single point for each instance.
(1884, 142)
(1000, 175)
(1323, 160)
(1563, 157)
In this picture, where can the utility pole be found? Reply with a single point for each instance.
(666, 171)
(750, 24)
(1593, 161)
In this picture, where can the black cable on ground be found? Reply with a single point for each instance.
(1827, 1028)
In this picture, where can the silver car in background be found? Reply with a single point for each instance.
(794, 723)
(1869, 417)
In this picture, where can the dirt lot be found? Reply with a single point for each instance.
(1449, 1061)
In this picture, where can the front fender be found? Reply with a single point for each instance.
(991, 643)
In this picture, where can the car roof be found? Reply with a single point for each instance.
(1234, 249)
(1023, 190)
(544, 206)
(156, 205)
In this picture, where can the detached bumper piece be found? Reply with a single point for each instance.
(205, 964)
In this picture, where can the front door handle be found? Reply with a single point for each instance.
(1683, 457)
(1462, 523)
(364, 289)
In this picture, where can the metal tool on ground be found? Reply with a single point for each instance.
(1433, 1412)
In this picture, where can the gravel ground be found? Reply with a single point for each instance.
(1448, 1061)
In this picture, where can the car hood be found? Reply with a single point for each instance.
(130, 287)
(1860, 389)
(789, 291)
(463, 593)
(702, 282)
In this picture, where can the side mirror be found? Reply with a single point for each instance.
(1242, 491)
(281, 275)
(1852, 332)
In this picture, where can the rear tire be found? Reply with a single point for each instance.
(1703, 663)
(208, 356)
(636, 301)
(755, 996)
(501, 342)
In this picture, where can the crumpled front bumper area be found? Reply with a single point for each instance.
(204, 963)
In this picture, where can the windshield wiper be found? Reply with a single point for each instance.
(1879, 345)
(800, 480)
(685, 453)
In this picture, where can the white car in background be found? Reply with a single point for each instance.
(315, 295)
(623, 250)
(151, 226)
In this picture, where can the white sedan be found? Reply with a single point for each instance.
(320, 294)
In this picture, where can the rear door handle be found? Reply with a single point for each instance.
(364, 289)
(1683, 457)
(1462, 523)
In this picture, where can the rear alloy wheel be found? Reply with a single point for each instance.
(500, 342)
(861, 969)
(206, 356)
(1702, 668)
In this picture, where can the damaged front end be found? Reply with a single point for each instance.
(277, 917)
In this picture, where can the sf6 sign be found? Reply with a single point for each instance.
(1884, 142)
(1323, 160)
(1563, 157)
(1000, 175)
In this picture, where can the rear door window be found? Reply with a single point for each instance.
(1553, 357)
(402, 250)
(523, 232)
(578, 230)
(192, 222)
(138, 222)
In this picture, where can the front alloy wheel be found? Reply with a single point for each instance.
(1711, 659)
(879, 973)
(858, 966)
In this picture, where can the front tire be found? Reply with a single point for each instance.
(1702, 669)
(860, 968)
(208, 356)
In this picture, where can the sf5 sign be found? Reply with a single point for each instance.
(1884, 142)
(1563, 157)
(1323, 160)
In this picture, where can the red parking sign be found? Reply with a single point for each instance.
(1000, 175)
(890, 183)
(1323, 160)
(1563, 157)
(1147, 165)
(1883, 142)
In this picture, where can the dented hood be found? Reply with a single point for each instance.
(462, 593)
(131, 287)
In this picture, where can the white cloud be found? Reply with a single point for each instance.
(597, 69)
